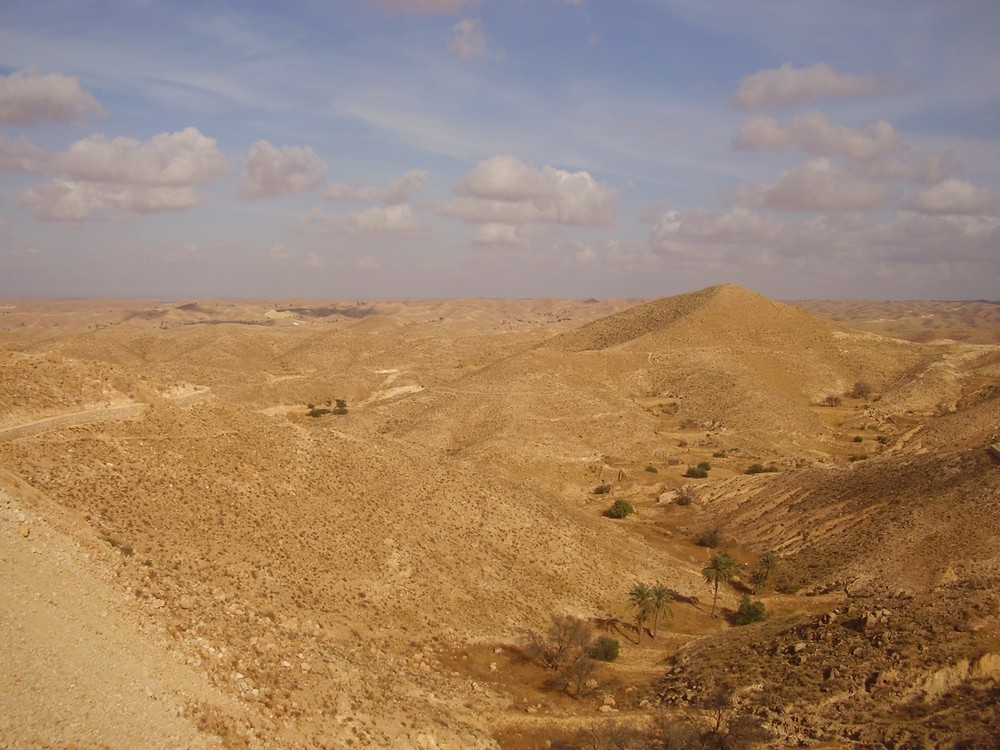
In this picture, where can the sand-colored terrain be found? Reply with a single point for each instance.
(290, 523)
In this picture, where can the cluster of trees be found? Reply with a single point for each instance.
(720, 570)
(337, 406)
(647, 601)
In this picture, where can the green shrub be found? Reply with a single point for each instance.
(859, 456)
(651, 469)
(605, 648)
(710, 538)
(857, 439)
(704, 466)
(831, 400)
(719, 454)
(861, 389)
(602, 489)
(620, 509)
(696, 472)
(760, 469)
(750, 611)
(685, 496)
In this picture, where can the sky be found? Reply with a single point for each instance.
(375, 149)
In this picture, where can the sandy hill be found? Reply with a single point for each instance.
(724, 366)
(365, 579)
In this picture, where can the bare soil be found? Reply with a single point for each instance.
(192, 560)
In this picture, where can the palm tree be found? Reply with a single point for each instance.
(720, 569)
(640, 598)
(660, 598)
(765, 569)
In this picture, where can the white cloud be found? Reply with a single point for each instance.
(817, 185)
(814, 133)
(740, 239)
(504, 178)
(340, 192)
(398, 191)
(468, 39)
(281, 251)
(500, 234)
(270, 172)
(507, 190)
(27, 97)
(23, 156)
(183, 158)
(96, 173)
(916, 238)
(955, 197)
(787, 85)
(390, 220)
(72, 200)
(586, 255)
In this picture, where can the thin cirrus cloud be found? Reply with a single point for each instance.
(398, 191)
(270, 172)
(28, 97)
(787, 86)
(506, 189)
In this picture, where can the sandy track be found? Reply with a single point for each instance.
(104, 414)
(77, 670)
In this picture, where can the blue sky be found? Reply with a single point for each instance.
(449, 148)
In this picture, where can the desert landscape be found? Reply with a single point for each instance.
(330, 524)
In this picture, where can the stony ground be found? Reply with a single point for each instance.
(191, 559)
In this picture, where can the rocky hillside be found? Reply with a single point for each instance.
(369, 578)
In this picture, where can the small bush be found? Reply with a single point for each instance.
(858, 457)
(118, 544)
(861, 389)
(857, 439)
(831, 400)
(602, 489)
(316, 412)
(750, 612)
(719, 454)
(685, 496)
(760, 469)
(605, 648)
(710, 538)
(705, 465)
(567, 639)
(696, 472)
(652, 469)
(620, 509)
